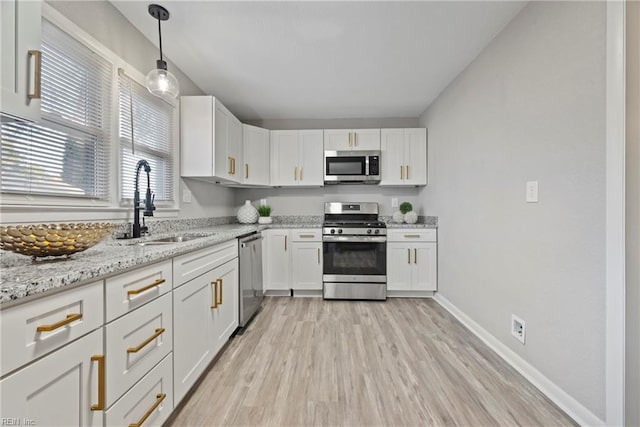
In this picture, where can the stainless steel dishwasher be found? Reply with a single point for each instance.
(251, 293)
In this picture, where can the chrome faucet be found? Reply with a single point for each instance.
(148, 201)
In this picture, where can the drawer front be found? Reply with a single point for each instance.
(306, 235)
(36, 328)
(192, 265)
(411, 235)
(133, 289)
(148, 403)
(136, 343)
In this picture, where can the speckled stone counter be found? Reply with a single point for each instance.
(20, 278)
(423, 222)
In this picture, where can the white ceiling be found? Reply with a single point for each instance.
(319, 60)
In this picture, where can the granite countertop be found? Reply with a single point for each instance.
(21, 278)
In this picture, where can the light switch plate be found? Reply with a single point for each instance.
(532, 191)
(186, 196)
(394, 202)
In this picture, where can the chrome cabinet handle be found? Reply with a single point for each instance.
(318, 256)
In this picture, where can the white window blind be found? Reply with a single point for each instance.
(67, 152)
(153, 136)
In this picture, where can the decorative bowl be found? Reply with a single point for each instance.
(42, 240)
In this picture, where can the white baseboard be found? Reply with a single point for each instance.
(277, 293)
(410, 294)
(567, 403)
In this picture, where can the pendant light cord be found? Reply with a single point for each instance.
(160, 37)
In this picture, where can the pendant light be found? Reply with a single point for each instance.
(161, 82)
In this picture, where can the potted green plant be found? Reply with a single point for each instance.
(265, 214)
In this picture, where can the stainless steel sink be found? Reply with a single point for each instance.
(174, 239)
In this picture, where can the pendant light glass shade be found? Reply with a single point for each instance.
(161, 82)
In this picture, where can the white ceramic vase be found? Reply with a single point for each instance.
(398, 217)
(411, 217)
(247, 214)
(265, 220)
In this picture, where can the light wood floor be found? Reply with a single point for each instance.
(305, 361)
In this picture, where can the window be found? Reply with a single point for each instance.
(67, 152)
(153, 136)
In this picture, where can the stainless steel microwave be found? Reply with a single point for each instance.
(355, 167)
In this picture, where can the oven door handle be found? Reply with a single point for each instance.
(355, 239)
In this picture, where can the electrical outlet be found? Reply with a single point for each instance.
(532, 191)
(394, 202)
(263, 202)
(186, 196)
(518, 328)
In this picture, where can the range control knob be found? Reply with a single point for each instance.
(377, 231)
(340, 231)
(333, 231)
(369, 231)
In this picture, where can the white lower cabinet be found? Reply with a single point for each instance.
(65, 388)
(205, 316)
(412, 260)
(136, 343)
(277, 259)
(306, 259)
(149, 402)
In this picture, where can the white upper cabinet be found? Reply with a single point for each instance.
(210, 140)
(351, 139)
(404, 156)
(256, 155)
(20, 33)
(296, 158)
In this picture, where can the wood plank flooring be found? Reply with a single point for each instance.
(306, 361)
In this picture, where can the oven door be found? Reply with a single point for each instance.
(354, 259)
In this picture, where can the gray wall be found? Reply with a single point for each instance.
(310, 201)
(633, 216)
(286, 124)
(107, 25)
(530, 107)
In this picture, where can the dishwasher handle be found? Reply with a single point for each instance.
(248, 239)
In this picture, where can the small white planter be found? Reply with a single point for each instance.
(265, 220)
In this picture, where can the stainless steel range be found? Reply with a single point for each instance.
(354, 245)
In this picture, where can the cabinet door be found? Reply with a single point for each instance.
(311, 158)
(284, 158)
(415, 156)
(194, 331)
(306, 263)
(366, 139)
(425, 267)
(20, 33)
(338, 140)
(227, 305)
(223, 161)
(399, 266)
(256, 155)
(278, 263)
(234, 149)
(58, 389)
(392, 156)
